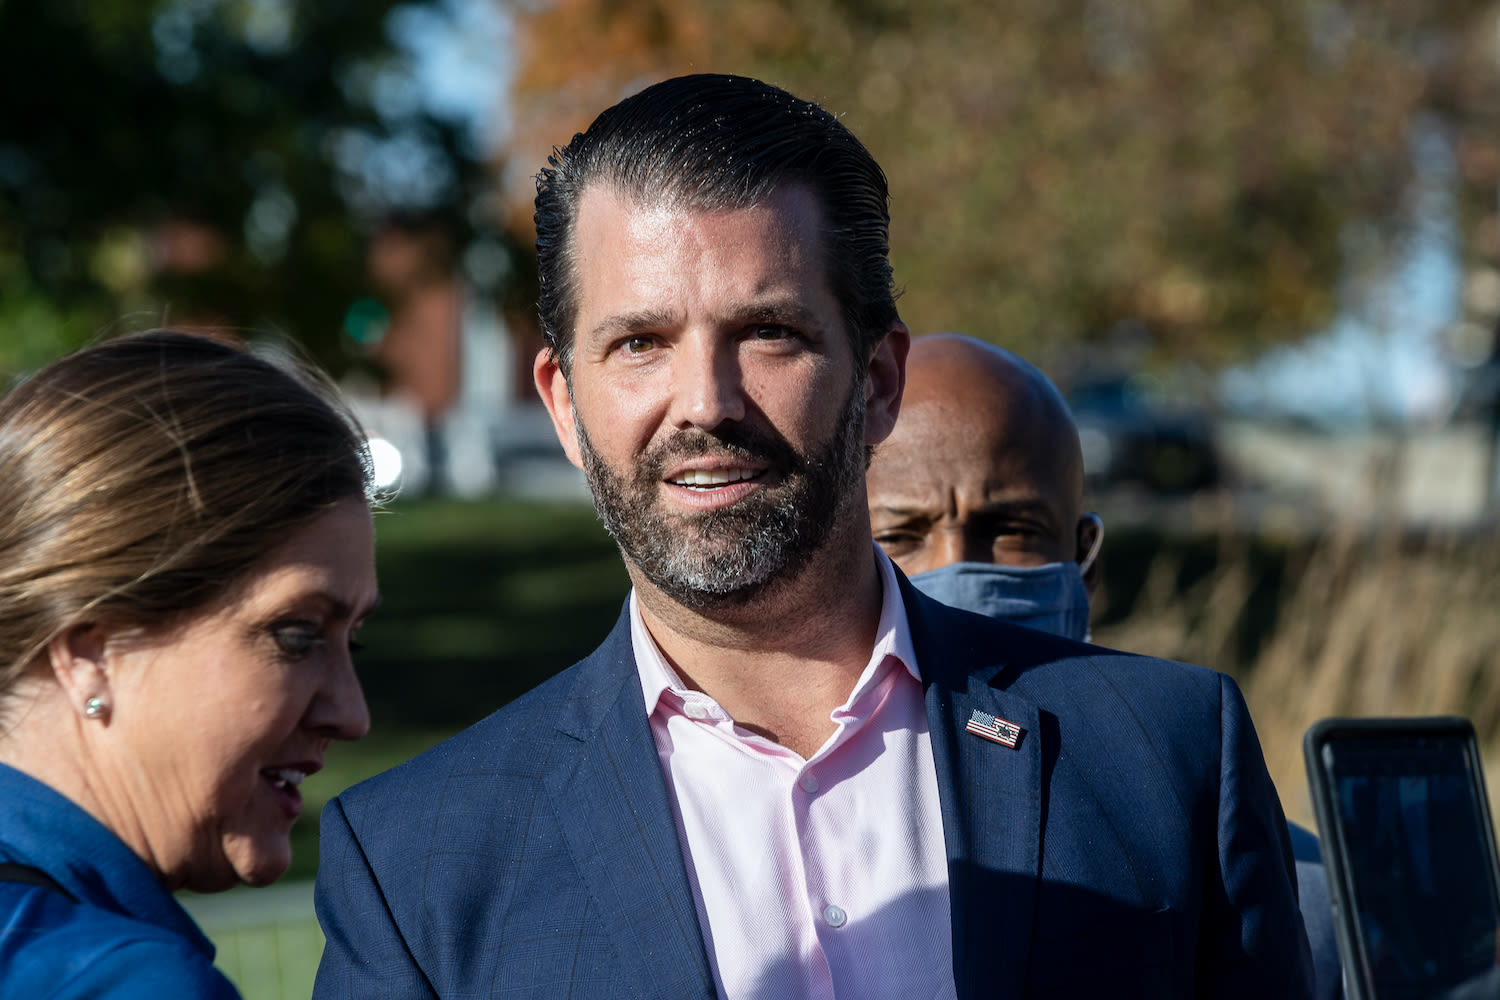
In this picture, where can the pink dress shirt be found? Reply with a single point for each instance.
(815, 878)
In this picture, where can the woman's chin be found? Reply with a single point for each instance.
(259, 878)
(260, 861)
(266, 870)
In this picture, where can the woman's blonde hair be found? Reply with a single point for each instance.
(142, 477)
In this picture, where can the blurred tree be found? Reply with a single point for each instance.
(1204, 169)
(209, 162)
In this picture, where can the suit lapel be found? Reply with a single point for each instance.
(991, 801)
(615, 814)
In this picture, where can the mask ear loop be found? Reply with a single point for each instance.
(1088, 560)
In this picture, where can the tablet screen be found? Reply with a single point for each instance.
(1418, 857)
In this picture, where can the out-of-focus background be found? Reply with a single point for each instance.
(1258, 245)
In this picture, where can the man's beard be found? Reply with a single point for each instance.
(728, 556)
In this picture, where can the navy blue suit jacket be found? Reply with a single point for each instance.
(1131, 846)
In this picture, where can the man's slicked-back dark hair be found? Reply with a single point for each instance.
(711, 142)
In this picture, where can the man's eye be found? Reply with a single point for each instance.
(897, 541)
(1005, 527)
(297, 639)
(638, 345)
(771, 333)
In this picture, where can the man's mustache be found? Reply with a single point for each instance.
(730, 440)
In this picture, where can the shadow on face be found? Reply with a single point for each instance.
(983, 465)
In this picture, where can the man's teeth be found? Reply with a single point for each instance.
(281, 776)
(713, 477)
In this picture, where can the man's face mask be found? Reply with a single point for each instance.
(1051, 598)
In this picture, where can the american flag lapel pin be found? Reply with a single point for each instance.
(986, 726)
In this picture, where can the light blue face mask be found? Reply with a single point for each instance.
(1051, 598)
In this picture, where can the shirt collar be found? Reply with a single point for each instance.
(892, 638)
(42, 828)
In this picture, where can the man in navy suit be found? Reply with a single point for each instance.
(978, 496)
(785, 773)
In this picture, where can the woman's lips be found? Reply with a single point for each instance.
(283, 782)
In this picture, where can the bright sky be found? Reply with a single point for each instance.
(462, 61)
(1380, 358)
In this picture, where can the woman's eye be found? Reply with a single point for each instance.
(297, 639)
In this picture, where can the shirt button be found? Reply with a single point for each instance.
(693, 710)
(809, 782)
(834, 916)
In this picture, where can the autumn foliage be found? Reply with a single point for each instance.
(1060, 166)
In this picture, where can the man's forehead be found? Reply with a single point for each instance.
(638, 261)
(940, 445)
(944, 431)
(789, 215)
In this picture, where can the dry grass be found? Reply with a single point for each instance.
(1368, 624)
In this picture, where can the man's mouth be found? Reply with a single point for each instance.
(702, 479)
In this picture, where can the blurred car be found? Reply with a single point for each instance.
(1127, 437)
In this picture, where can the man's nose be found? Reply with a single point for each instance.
(708, 383)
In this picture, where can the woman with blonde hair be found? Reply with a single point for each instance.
(186, 552)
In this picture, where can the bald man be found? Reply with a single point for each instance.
(978, 495)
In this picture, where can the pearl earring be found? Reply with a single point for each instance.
(95, 708)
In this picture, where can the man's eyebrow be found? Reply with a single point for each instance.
(1011, 506)
(776, 311)
(904, 508)
(913, 508)
(780, 312)
(1028, 506)
(621, 324)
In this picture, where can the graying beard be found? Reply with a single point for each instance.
(772, 544)
(773, 547)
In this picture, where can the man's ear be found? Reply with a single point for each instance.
(885, 383)
(79, 663)
(1090, 534)
(552, 386)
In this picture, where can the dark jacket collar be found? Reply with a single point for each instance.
(44, 829)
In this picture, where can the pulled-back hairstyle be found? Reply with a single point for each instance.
(141, 478)
(710, 142)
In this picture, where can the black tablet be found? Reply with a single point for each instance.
(1409, 849)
